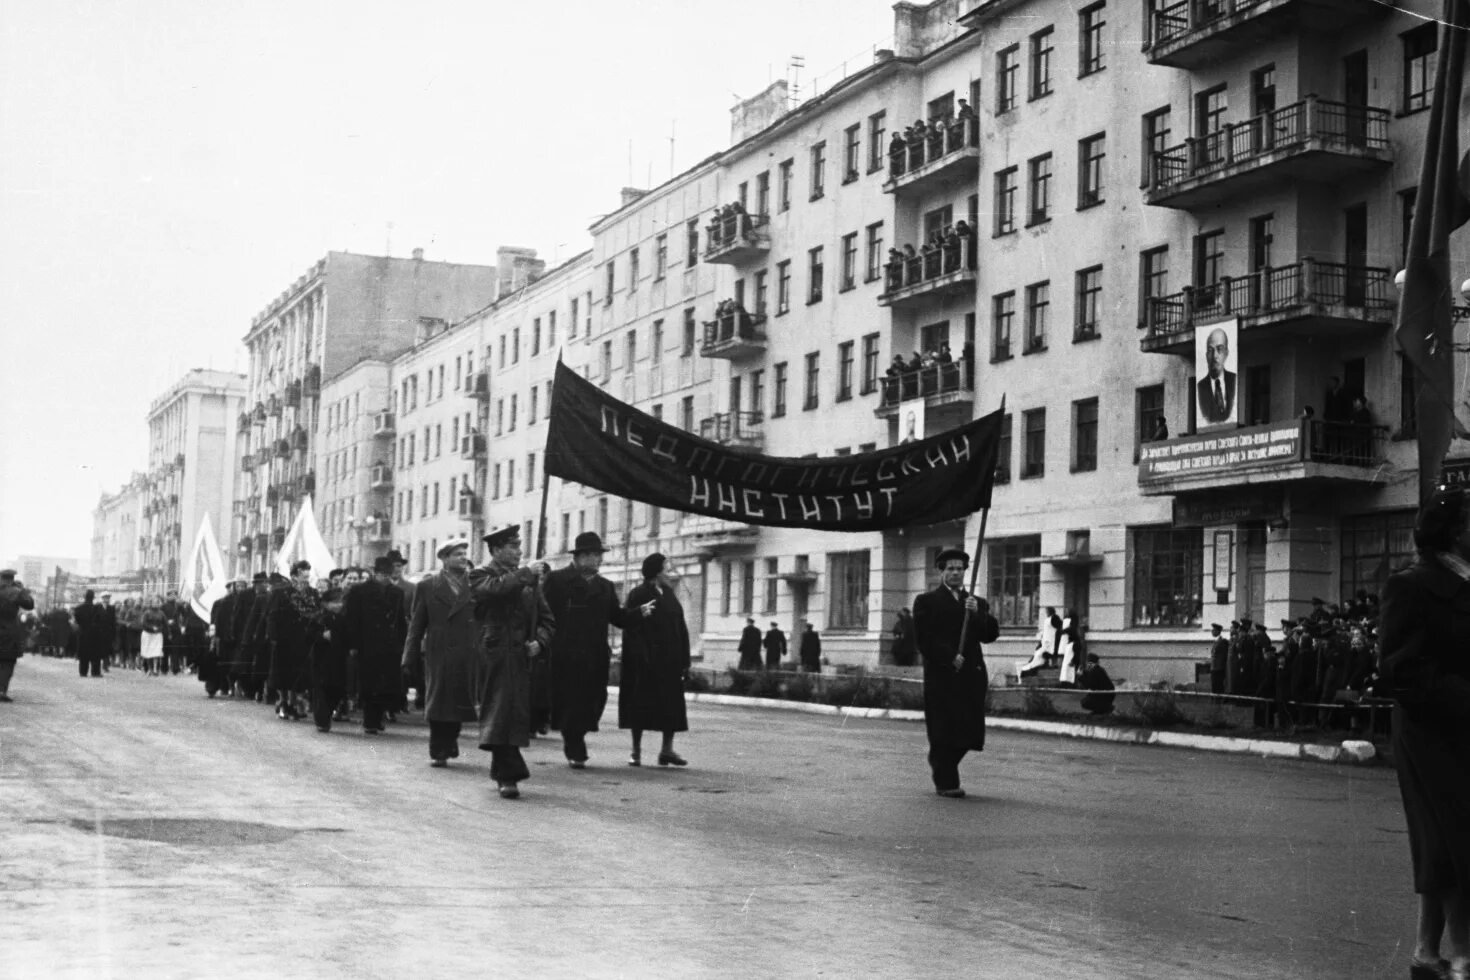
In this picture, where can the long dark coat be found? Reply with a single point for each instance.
(260, 635)
(13, 599)
(249, 608)
(514, 613)
(443, 647)
(954, 700)
(94, 639)
(215, 655)
(810, 647)
(293, 627)
(750, 648)
(1424, 639)
(583, 608)
(329, 651)
(375, 626)
(655, 657)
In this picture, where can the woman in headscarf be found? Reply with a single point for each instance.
(655, 659)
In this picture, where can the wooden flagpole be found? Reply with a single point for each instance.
(979, 544)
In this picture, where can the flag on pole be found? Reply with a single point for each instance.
(1425, 330)
(204, 576)
(304, 542)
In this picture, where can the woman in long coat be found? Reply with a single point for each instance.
(443, 647)
(294, 625)
(329, 662)
(1425, 667)
(655, 658)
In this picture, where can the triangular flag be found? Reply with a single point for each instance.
(304, 542)
(204, 576)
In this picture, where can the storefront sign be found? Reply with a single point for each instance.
(1455, 473)
(1243, 505)
(1217, 452)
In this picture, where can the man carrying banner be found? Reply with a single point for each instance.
(443, 648)
(955, 677)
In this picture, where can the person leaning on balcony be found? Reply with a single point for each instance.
(966, 111)
(897, 153)
(1423, 666)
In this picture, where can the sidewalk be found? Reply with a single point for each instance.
(1351, 751)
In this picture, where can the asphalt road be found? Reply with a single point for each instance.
(146, 831)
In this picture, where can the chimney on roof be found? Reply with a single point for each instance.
(418, 255)
(516, 266)
(754, 114)
(631, 194)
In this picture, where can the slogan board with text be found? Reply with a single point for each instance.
(1215, 452)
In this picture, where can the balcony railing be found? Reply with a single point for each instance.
(956, 377)
(273, 406)
(734, 334)
(311, 382)
(1284, 451)
(469, 506)
(946, 149)
(934, 269)
(744, 430)
(1312, 139)
(472, 446)
(1329, 290)
(736, 236)
(382, 475)
(1189, 33)
(293, 395)
(479, 386)
(383, 424)
(379, 529)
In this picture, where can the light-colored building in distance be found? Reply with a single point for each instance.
(117, 536)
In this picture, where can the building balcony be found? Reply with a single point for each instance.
(479, 385)
(469, 506)
(939, 385)
(247, 462)
(713, 534)
(1311, 140)
(283, 448)
(1277, 452)
(273, 406)
(943, 157)
(472, 446)
(378, 530)
(1321, 300)
(245, 546)
(311, 381)
(307, 483)
(257, 414)
(382, 476)
(278, 537)
(263, 456)
(262, 542)
(243, 423)
(915, 279)
(299, 438)
(293, 395)
(737, 237)
(1192, 33)
(734, 335)
(383, 424)
(738, 430)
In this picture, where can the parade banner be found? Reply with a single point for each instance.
(600, 442)
(204, 576)
(304, 542)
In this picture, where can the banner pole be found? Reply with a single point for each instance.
(979, 544)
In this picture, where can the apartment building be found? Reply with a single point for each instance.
(117, 536)
(353, 498)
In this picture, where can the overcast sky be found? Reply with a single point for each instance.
(167, 167)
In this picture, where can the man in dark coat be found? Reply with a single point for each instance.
(173, 633)
(811, 650)
(1219, 658)
(443, 648)
(13, 598)
(329, 660)
(260, 637)
(517, 627)
(1094, 678)
(656, 657)
(955, 678)
(376, 627)
(109, 623)
(245, 622)
(775, 644)
(214, 661)
(94, 638)
(294, 622)
(414, 679)
(584, 605)
(750, 646)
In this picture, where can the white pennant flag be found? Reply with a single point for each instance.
(304, 542)
(204, 577)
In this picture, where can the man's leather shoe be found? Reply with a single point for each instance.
(508, 791)
(951, 794)
(671, 759)
(439, 763)
(577, 763)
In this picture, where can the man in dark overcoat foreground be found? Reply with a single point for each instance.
(955, 679)
(517, 625)
(443, 648)
(375, 627)
(584, 605)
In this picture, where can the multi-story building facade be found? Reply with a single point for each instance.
(117, 535)
(191, 451)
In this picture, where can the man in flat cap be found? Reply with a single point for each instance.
(375, 627)
(955, 678)
(517, 626)
(443, 648)
(583, 604)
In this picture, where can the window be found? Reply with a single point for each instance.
(1002, 317)
(1033, 446)
(660, 262)
(607, 368)
(1373, 545)
(727, 581)
(1419, 47)
(1089, 33)
(1149, 414)
(783, 287)
(1256, 401)
(813, 370)
(758, 392)
(1209, 118)
(535, 336)
(1038, 189)
(849, 262)
(1209, 261)
(551, 329)
(848, 602)
(608, 294)
(852, 152)
(1041, 48)
(632, 346)
(512, 425)
(1168, 574)
(691, 233)
(1005, 201)
(844, 370)
(1013, 584)
(500, 416)
(763, 192)
(1007, 77)
(1153, 280)
(686, 413)
(686, 347)
(572, 326)
(870, 364)
(1262, 237)
(873, 252)
(761, 292)
(530, 472)
(783, 187)
(742, 194)
(1003, 450)
(1090, 154)
(1038, 304)
(779, 408)
(772, 577)
(1155, 141)
(1088, 304)
(747, 587)
(1084, 435)
(877, 129)
(819, 170)
(814, 275)
(1406, 220)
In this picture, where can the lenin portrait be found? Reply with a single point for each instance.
(1215, 390)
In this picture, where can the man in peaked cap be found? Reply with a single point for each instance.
(1219, 658)
(584, 605)
(443, 648)
(955, 677)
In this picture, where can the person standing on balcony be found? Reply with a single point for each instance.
(443, 648)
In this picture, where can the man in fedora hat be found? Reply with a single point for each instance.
(584, 605)
(375, 626)
(517, 626)
(443, 648)
(955, 678)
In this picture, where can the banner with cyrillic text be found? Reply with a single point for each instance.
(600, 442)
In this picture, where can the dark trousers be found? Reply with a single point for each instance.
(574, 744)
(324, 701)
(944, 763)
(1217, 682)
(7, 670)
(444, 739)
(507, 765)
(372, 715)
(92, 664)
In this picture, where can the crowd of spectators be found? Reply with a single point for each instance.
(928, 140)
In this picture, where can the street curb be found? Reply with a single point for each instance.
(1349, 752)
